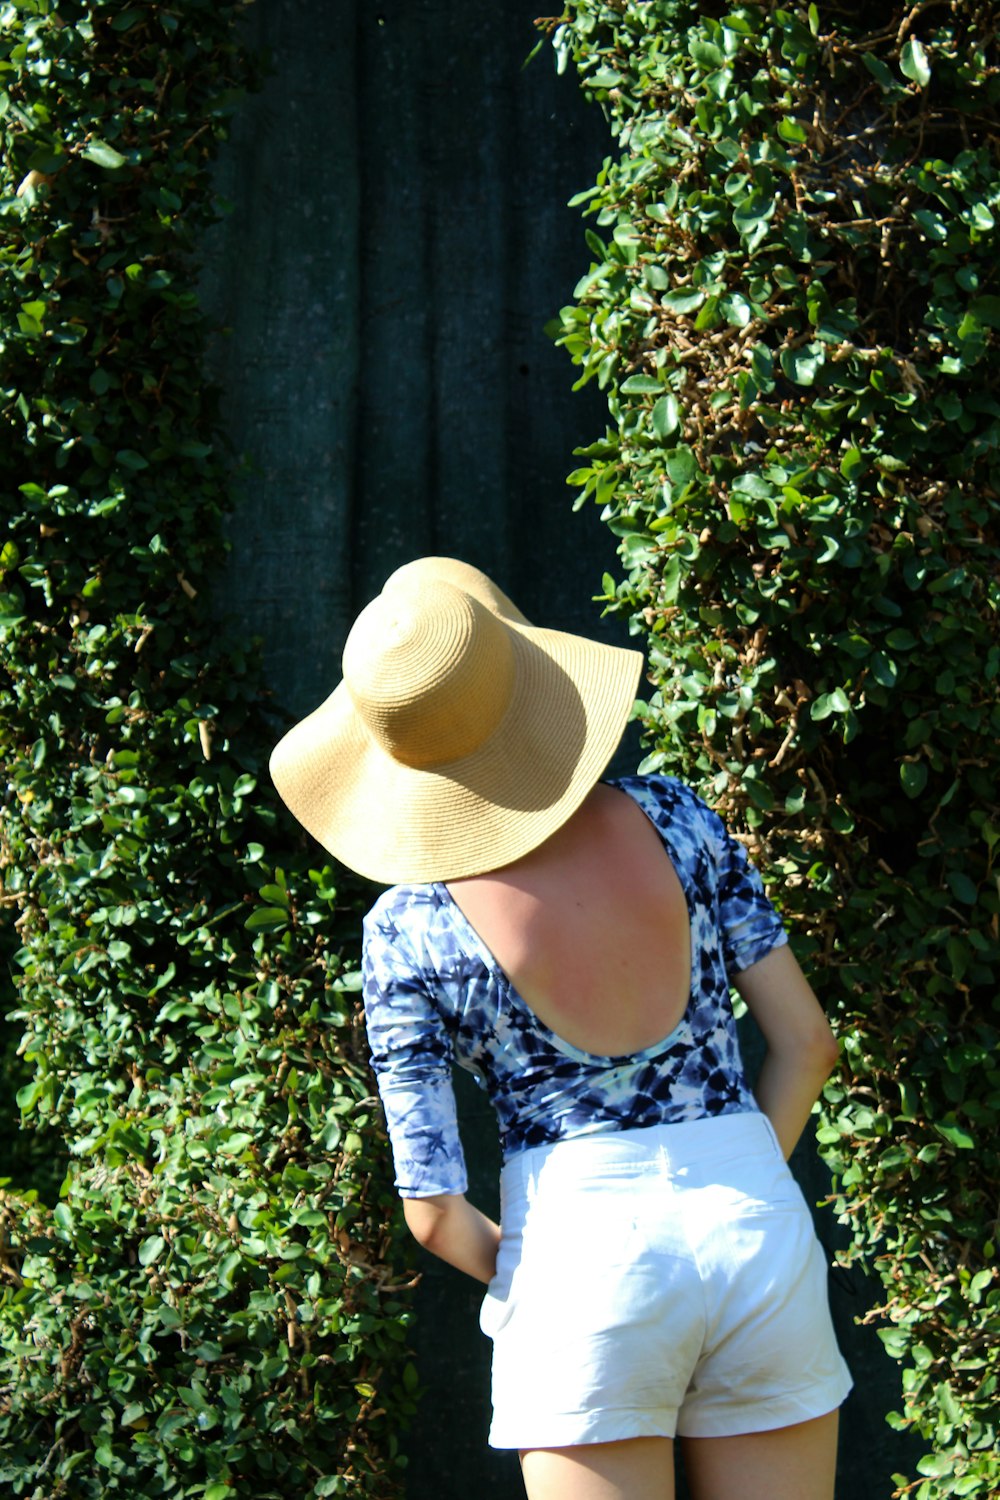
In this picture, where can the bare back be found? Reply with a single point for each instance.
(592, 928)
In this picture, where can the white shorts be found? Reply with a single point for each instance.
(655, 1282)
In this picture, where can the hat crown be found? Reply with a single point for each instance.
(461, 736)
(430, 670)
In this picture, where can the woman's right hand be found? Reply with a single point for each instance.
(448, 1226)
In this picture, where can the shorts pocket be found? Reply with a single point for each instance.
(772, 1136)
(764, 1186)
(498, 1303)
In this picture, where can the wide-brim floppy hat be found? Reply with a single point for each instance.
(461, 736)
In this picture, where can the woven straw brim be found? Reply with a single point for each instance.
(395, 823)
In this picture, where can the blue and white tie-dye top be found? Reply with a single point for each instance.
(435, 995)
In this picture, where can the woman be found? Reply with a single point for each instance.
(571, 942)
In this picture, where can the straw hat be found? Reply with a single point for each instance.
(460, 737)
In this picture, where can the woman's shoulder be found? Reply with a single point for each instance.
(694, 835)
(400, 897)
(664, 796)
(413, 926)
(403, 906)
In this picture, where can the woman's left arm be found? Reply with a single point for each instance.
(448, 1226)
(801, 1048)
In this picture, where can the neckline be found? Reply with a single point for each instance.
(559, 1043)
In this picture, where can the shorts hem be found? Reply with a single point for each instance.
(765, 1416)
(578, 1428)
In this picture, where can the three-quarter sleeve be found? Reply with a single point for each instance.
(412, 1057)
(749, 925)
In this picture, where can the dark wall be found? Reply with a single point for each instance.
(398, 238)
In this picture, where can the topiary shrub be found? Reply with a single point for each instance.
(210, 1307)
(794, 307)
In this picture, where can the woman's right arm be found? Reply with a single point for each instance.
(412, 1057)
(448, 1226)
(801, 1048)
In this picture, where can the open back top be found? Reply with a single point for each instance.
(435, 995)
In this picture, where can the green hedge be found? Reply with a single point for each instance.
(794, 307)
(210, 1307)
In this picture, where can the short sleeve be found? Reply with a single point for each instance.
(412, 1057)
(749, 924)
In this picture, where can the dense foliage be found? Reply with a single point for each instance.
(209, 1307)
(794, 309)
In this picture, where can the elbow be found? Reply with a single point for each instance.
(824, 1052)
(423, 1219)
(811, 1050)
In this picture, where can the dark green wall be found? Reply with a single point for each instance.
(398, 238)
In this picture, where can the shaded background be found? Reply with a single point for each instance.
(397, 240)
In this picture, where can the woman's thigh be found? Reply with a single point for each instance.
(631, 1469)
(788, 1463)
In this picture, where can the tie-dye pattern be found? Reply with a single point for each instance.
(434, 995)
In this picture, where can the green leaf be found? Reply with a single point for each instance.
(914, 63)
(228, 1267)
(350, 982)
(752, 214)
(803, 364)
(790, 130)
(913, 776)
(266, 919)
(735, 309)
(150, 1250)
(932, 225)
(236, 1143)
(130, 459)
(986, 309)
(596, 245)
(640, 385)
(963, 888)
(276, 894)
(754, 485)
(103, 155)
(935, 1465)
(706, 53)
(681, 466)
(666, 416)
(852, 465)
(683, 301)
(709, 316)
(829, 703)
(882, 74)
(958, 956)
(762, 365)
(957, 1135)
